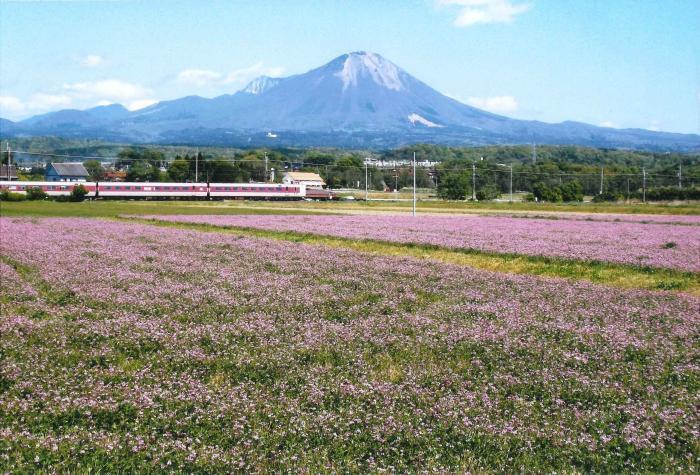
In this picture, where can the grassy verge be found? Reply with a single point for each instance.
(436, 206)
(616, 275)
(106, 209)
(110, 208)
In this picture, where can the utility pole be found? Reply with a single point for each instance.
(9, 159)
(644, 185)
(414, 183)
(366, 195)
(265, 166)
(628, 190)
(601, 180)
(196, 167)
(680, 175)
(511, 182)
(534, 153)
(473, 181)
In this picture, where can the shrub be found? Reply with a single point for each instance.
(571, 191)
(607, 196)
(488, 192)
(36, 193)
(544, 192)
(78, 193)
(671, 193)
(9, 196)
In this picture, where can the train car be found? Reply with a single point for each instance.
(51, 188)
(256, 190)
(136, 190)
(114, 189)
(319, 194)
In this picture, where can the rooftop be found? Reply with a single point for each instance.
(70, 169)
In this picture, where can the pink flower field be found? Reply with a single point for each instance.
(638, 244)
(129, 347)
(688, 220)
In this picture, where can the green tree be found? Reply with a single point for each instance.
(571, 191)
(179, 170)
(544, 192)
(94, 168)
(142, 171)
(455, 186)
(220, 170)
(488, 192)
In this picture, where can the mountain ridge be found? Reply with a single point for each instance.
(357, 99)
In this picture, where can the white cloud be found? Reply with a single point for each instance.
(500, 104)
(42, 102)
(208, 78)
(140, 104)
(251, 72)
(107, 89)
(11, 107)
(92, 61)
(472, 12)
(608, 123)
(198, 77)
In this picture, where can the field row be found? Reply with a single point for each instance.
(127, 346)
(630, 243)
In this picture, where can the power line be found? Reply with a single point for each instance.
(406, 165)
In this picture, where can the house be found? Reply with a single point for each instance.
(4, 176)
(114, 175)
(66, 172)
(311, 180)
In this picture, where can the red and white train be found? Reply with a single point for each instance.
(172, 190)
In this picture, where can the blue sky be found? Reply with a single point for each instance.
(619, 63)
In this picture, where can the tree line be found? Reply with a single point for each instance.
(549, 173)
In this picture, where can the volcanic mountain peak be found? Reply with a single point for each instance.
(358, 99)
(361, 64)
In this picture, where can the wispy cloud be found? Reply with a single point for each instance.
(106, 89)
(609, 124)
(79, 95)
(11, 107)
(499, 104)
(133, 96)
(251, 72)
(198, 77)
(472, 12)
(208, 78)
(92, 61)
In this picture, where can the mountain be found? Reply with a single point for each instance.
(359, 99)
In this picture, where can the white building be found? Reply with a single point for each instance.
(311, 180)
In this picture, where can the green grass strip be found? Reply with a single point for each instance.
(114, 208)
(616, 275)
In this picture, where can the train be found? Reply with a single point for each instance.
(141, 190)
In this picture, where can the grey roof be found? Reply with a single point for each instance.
(70, 169)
